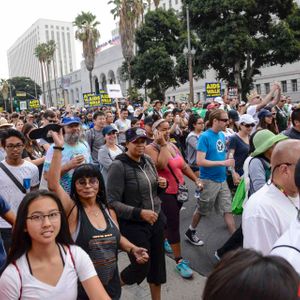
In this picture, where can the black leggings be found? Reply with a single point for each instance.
(171, 208)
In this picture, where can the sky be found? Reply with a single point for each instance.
(18, 15)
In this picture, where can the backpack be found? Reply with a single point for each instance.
(242, 193)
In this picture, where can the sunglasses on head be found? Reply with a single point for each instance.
(248, 125)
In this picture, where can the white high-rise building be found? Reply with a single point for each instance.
(23, 62)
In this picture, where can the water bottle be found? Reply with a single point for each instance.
(27, 184)
(230, 168)
(197, 192)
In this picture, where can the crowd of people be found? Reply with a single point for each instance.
(77, 185)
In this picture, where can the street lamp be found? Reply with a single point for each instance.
(189, 54)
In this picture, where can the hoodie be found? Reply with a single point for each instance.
(132, 186)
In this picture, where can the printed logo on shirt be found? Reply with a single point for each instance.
(220, 146)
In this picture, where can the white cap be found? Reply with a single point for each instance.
(130, 109)
(219, 100)
(246, 119)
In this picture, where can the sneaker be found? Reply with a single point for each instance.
(183, 269)
(167, 247)
(217, 256)
(192, 238)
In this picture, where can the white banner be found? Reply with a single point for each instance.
(114, 91)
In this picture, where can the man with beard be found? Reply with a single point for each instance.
(74, 152)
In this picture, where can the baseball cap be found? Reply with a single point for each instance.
(264, 113)
(43, 132)
(70, 120)
(246, 119)
(134, 133)
(148, 121)
(108, 129)
(233, 114)
(219, 100)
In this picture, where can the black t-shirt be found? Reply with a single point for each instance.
(292, 133)
(241, 152)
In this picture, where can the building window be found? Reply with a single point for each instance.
(198, 96)
(267, 88)
(258, 88)
(284, 86)
(68, 28)
(170, 3)
(46, 26)
(294, 85)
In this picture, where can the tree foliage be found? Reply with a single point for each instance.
(237, 37)
(154, 65)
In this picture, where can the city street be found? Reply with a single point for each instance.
(211, 230)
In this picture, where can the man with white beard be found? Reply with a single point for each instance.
(75, 152)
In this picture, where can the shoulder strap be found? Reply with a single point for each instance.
(13, 178)
(92, 138)
(286, 246)
(18, 270)
(72, 258)
(177, 181)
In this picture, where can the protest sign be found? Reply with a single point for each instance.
(213, 89)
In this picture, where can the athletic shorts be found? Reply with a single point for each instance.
(214, 195)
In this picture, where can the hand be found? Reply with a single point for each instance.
(58, 137)
(229, 162)
(199, 184)
(159, 138)
(149, 216)
(76, 161)
(236, 178)
(177, 120)
(140, 254)
(162, 182)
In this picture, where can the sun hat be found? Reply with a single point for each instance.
(246, 119)
(43, 132)
(264, 113)
(108, 129)
(264, 140)
(4, 123)
(134, 133)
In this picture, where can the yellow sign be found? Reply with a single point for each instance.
(106, 100)
(95, 101)
(213, 89)
(86, 99)
(1, 109)
(33, 104)
(20, 94)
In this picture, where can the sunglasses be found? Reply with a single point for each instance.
(223, 120)
(51, 121)
(248, 125)
(85, 181)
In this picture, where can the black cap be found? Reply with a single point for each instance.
(233, 114)
(134, 133)
(148, 121)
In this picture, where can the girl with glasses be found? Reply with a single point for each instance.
(43, 263)
(93, 226)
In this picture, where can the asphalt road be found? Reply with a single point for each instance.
(212, 231)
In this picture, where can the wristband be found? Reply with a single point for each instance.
(58, 148)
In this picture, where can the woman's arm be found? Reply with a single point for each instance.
(103, 158)
(38, 161)
(94, 289)
(53, 175)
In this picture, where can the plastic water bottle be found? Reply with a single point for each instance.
(27, 184)
(197, 193)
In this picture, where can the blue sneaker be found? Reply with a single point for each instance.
(167, 246)
(183, 269)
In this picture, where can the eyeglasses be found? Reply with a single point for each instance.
(13, 146)
(223, 120)
(39, 218)
(248, 125)
(85, 181)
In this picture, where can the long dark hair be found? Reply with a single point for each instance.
(31, 145)
(246, 274)
(192, 121)
(264, 125)
(21, 241)
(88, 171)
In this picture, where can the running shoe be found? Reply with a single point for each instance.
(167, 246)
(192, 238)
(183, 269)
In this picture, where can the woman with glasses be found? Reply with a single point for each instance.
(238, 148)
(132, 187)
(43, 263)
(196, 126)
(93, 226)
(108, 152)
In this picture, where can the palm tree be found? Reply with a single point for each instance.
(4, 88)
(129, 12)
(50, 50)
(89, 35)
(156, 3)
(40, 53)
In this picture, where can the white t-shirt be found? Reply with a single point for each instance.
(115, 153)
(251, 110)
(122, 126)
(267, 215)
(290, 238)
(34, 289)
(9, 191)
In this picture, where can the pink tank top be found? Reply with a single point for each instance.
(177, 164)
